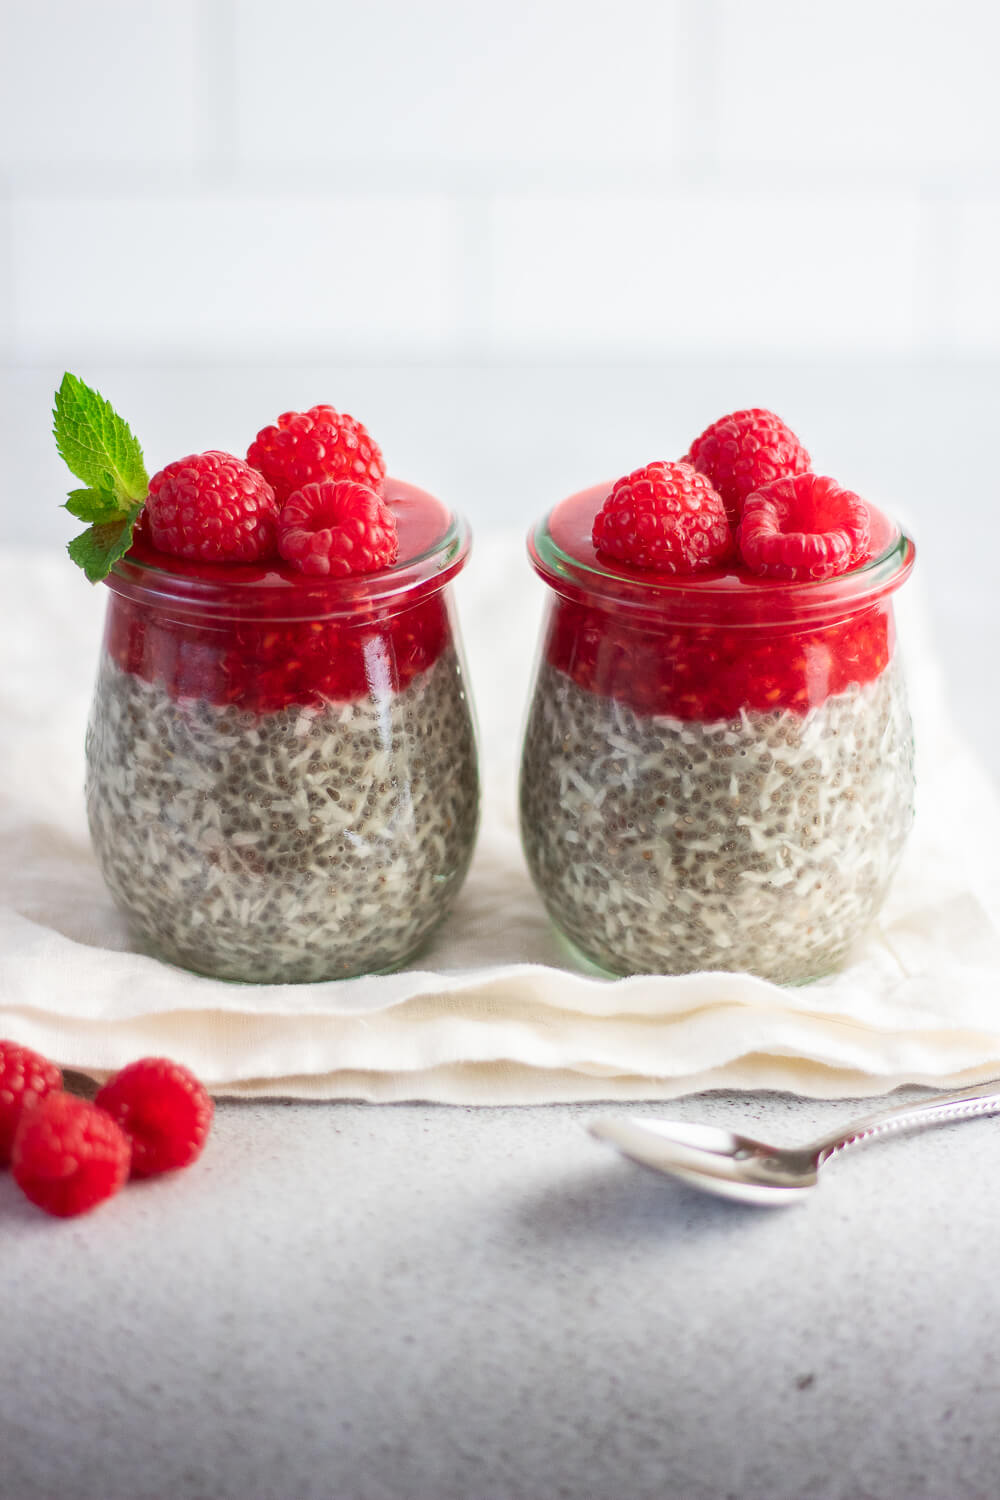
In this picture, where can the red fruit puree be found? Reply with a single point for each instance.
(703, 648)
(265, 635)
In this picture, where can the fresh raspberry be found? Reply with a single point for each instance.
(69, 1155)
(25, 1077)
(213, 507)
(743, 452)
(308, 446)
(803, 527)
(665, 517)
(163, 1109)
(336, 528)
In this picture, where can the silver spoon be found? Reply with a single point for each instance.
(736, 1166)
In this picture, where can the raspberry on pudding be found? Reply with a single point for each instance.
(664, 517)
(803, 526)
(337, 527)
(282, 779)
(717, 769)
(305, 447)
(740, 453)
(214, 507)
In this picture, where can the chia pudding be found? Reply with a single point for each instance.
(712, 778)
(282, 778)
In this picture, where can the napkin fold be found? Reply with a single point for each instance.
(498, 1011)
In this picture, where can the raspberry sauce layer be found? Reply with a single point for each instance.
(708, 647)
(264, 635)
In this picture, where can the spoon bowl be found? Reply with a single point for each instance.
(751, 1171)
(715, 1160)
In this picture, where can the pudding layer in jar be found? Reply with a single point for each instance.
(282, 778)
(717, 772)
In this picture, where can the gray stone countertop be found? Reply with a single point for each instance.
(414, 1301)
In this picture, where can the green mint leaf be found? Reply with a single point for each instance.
(97, 549)
(97, 445)
(93, 505)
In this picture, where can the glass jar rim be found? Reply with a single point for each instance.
(276, 592)
(715, 598)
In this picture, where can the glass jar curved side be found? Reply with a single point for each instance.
(701, 796)
(283, 801)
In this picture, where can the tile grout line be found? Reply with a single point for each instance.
(8, 289)
(546, 358)
(476, 253)
(937, 269)
(221, 171)
(696, 91)
(216, 92)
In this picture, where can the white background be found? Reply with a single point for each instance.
(531, 246)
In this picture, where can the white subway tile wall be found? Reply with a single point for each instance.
(550, 83)
(976, 303)
(96, 85)
(234, 271)
(218, 179)
(708, 269)
(862, 85)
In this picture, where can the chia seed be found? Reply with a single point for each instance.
(293, 846)
(762, 843)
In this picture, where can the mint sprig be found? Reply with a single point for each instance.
(97, 549)
(99, 448)
(93, 505)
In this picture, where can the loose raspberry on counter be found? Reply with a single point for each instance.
(163, 1109)
(25, 1078)
(337, 528)
(306, 447)
(212, 507)
(743, 452)
(803, 527)
(666, 518)
(69, 1155)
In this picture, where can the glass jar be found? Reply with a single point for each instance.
(282, 778)
(717, 771)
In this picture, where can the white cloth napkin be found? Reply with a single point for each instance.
(496, 1013)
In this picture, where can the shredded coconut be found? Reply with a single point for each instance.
(674, 863)
(292, 846)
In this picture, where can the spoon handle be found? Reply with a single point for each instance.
(981, 1099)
